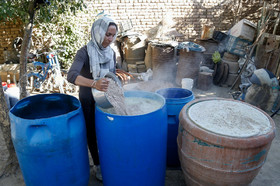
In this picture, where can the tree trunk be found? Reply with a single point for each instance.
(25, 50)
(11, 165)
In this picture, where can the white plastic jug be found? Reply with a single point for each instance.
(187, 83)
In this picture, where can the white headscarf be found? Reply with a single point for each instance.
(101, 59)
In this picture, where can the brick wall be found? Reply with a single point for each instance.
(8, 32)
(190, 15)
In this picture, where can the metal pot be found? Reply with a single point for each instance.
(100, 96)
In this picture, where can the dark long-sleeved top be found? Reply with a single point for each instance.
(81, 67)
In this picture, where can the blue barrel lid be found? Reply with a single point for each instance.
(176, 94)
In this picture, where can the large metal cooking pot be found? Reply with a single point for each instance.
(100, 96)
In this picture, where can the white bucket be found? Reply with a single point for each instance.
(187, 83)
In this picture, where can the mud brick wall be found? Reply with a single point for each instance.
(190, 16)
(8, 32)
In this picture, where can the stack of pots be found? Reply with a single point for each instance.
(231, 61)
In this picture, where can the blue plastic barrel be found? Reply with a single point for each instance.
(49, 136)
(176, 98)
(132, 149)
(14, 95)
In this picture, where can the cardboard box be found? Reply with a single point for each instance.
(244, 29)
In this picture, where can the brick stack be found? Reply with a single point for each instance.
(8, 32)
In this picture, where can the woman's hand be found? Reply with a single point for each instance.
(102, 84)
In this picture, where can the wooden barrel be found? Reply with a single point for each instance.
(163, 63)
(222, 141)
(133, 49)
(148, 57)
(188, 65)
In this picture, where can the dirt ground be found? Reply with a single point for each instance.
(268, 175)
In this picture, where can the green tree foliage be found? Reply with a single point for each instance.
(66, 31)
(47, 10)
(30, 12)
(55, 20)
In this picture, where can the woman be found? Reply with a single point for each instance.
(92, 62)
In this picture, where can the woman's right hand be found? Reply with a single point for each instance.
(102, 84)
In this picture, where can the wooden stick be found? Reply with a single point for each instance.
(256, 42)
(277, 61)
(269, 58)
(248, 57)
(244, 65)
(275, 26)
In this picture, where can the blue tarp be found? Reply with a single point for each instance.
(190, 46)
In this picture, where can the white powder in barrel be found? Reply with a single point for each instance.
(137, 106)
(115, 96)
(229, 118)
(128, 105)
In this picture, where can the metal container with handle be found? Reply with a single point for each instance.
(100, 96)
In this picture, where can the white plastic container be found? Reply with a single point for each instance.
(187, 83)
